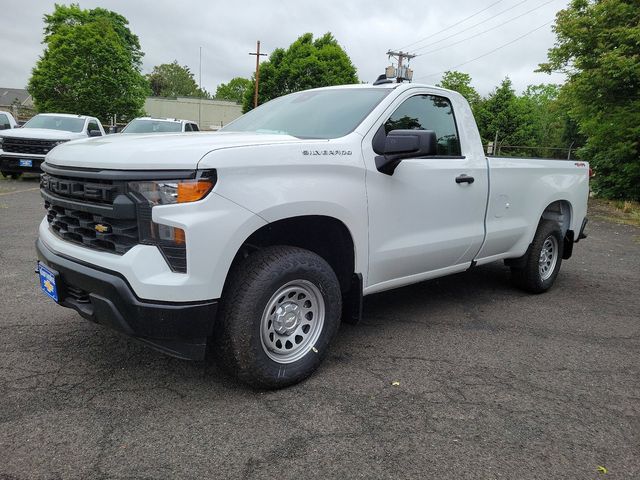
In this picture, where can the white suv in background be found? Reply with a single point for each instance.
(160, 125)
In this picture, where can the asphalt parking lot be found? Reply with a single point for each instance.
(493, 383)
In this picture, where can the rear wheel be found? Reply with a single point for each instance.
(542, 260)
(280, 310)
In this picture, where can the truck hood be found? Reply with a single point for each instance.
(156, 151)
(40, 134)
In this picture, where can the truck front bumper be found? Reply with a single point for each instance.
(180, 329)
(19, 163)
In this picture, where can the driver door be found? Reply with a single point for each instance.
(422, 223)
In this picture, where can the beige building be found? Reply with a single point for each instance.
(208, 114)
(18, 102)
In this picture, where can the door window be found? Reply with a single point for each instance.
(428, 112)
(4, 122)
(93, 126)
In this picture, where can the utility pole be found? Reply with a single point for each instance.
(200, 93)
(402, 72)
(258, 55)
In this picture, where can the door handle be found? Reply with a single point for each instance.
(464, 179)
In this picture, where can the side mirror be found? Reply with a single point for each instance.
(95, 133)
(402, 144)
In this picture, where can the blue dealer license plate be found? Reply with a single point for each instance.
(48, 281)
(25, 163)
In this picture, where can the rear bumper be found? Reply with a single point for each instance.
(11, 163)
(104, 297)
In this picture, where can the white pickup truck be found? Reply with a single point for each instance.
(23, 150)
(254, 242)
(7, 121)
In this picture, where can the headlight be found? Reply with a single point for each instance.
(170, 240)
(1, 139)
(58, 142)
(167, 192)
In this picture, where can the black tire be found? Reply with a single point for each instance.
(237, 338)
(15, 176)
(529, 276)
(5, 174)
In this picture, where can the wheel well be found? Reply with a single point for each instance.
(560, 212)
(325, 236)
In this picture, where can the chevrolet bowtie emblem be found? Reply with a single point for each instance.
(102, 228)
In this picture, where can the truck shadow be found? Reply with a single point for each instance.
(475, 287)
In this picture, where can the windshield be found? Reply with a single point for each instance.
(51, 122)
(312, 114)
(152, 126)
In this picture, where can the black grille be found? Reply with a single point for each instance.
(93, 213)
(29, 146)
(92, 230)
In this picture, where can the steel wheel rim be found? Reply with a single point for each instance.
(292, 321)
(548, 257)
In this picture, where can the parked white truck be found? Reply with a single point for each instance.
(23, 150)
(255, 241)
(7, 121)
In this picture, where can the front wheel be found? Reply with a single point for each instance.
(542, 260)
(279, 312)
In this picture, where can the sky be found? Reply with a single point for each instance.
(488, 39)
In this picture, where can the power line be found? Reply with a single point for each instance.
(482, 32)
(472, 26)
(490, 52)
(451, 26)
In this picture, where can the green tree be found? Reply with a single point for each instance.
(461, 83)
(174, 80)
(90, 65)
(546, 118)
(235, 90)
(307, 63)
(508, 115)
(598, 48)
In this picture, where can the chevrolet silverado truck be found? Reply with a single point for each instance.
(23, 150)
(254, 242)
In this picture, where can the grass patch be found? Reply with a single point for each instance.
(624, 212)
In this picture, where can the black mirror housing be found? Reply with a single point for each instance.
(95, 133)
(403, 144)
